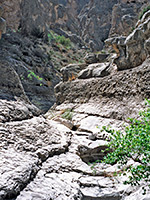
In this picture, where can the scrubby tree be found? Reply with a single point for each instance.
(133, 144)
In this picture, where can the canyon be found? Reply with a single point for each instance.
(55, 99)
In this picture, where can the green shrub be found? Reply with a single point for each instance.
(31, 74)
(60, 39)
(64, 41)
(67, 114)
(133, 144)
(144, 11)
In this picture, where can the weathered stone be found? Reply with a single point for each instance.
(84, 74)
(80, 21)
(95, 70)
(122, 85)
(95, 24)
(27, 71)
(124, 17)
(134, 50)
(91, 58)
(70, 72)
(92, 152)
(17, 169)
(43, 158)
(100, 194)
(17, 110)
(102, 57)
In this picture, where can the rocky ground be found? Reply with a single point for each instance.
(47, 157)
(50, 156)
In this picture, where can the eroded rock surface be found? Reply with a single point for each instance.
(85, 22)
(26, 71)
(25, 145)
(47, 159)
(133, 50)
(51, 156)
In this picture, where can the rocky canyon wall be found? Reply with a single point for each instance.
(89, 21)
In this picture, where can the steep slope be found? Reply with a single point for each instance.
(26, 71)
(48, 157)
(86, 22)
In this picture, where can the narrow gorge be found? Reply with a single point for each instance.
(68, 68)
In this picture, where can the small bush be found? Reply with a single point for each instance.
(133, 144)
(64, 41)
(31, 74)
(144, 11)
(59, 39)
(67, 114)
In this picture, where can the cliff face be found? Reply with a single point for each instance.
(124, 17)
(85, 21)
(95, 22)
(11, 13)
(47, 157)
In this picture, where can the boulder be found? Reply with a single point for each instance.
(70, 72)
(132, 51)
(95, 70)
(101, 57)
(90, 58)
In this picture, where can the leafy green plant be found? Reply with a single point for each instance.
(51, 35)
(133, 144)
(64, 41)
(67, 114)
(31, 74)
(59, 39)
(144, 11)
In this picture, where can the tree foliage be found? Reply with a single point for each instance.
(133, 144)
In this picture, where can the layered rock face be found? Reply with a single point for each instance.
(50, 156)
(95, 22)
(134, 49)
(11, 13)
(27, 72)
(124, 17)
(85, 22)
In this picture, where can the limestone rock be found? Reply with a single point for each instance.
(17, 169)
(24, 146)
(80, 21)
(124, 17)
(26, 71)
(92, 152)
(95, 70)
(95, 22)
(70, 72)
(90, 58)
(17, 110)
(134, 50)
(119, 88)
(12, 13)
